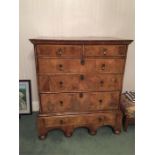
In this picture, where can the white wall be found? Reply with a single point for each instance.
(108, 18)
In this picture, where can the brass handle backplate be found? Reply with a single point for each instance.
(104, 50)
(59, 52)
(61, 83)
(114, 80)
(82, 61)
(101, 82)
(100, 101)
(61, 121)
(103, 66)
(100, 119)
(82, 77)
(60, 67)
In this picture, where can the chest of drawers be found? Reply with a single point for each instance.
(79, 83)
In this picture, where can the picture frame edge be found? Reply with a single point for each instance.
(30, 96)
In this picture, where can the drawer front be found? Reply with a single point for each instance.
(64, 66)
(83, 82)
(79, 102)
(74, 66)
(110, 65)
(59, 51)
(105, 50)
(80, 120)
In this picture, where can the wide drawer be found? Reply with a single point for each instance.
(59, 51)
(97, 119)
(79, 102)
(83, 82)
(105, 50)
(46, 66)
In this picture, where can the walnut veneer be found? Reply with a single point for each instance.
(79, 83)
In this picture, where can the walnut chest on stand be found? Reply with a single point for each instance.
(79, 83)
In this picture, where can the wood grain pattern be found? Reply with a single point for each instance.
(74, 83)
(54, 66)
(105, 50)
(68, 123)
(75, 102)
(79, 84)
(59, 51)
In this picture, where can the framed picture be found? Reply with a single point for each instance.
(25, 105)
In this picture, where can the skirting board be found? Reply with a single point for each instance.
(35, 106)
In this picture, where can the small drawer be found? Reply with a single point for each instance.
(105, 82)
(58, 121)
(110, 65)
(105, 50)
(103, 100)
(59, 51)
(48, 65)
(59, 83)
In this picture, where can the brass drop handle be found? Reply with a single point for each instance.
(60, 67)
(61, 83)
(100, 101)
(101, 82)
(81, 95)
(59, 52)
(82, 77)
(104, 50)
(114, 80)
(61, 121)
(61, 103)
(103, 66)
(82, 61)
(100, 119)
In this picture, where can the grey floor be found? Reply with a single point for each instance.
(81, 143)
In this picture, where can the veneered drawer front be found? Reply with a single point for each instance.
(46, 66)
(98, 119)
(104, 50)
(59, 51)
(103, 100)
(79, 102)
(110, 65)
(83, 82)
(64, 66)
(104, 82)
(59, 83)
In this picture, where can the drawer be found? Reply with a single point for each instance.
(110, 65)
(59, 51)
(80, 120)
(46, 66)
(64, 66)
(79, 102)
(83, 82)
(105, 50)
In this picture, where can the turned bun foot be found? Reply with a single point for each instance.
(117, 132)
(68, 134)
(92, 132)
(42, 137)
